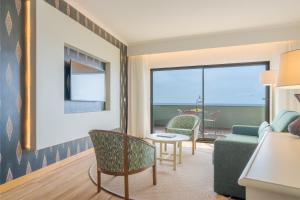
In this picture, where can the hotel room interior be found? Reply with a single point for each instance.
(149, 99)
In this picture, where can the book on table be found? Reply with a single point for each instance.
(166, 135)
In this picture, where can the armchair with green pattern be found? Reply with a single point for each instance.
(121, 155)
(185, 124)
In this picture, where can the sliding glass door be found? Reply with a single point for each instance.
(174, 92)
(221, 95)
(233, 95)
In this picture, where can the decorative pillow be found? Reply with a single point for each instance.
(263, 129)
(294, 127)
(280, 124)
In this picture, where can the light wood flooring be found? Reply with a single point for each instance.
(68, 182)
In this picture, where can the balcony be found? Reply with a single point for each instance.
(229, 115)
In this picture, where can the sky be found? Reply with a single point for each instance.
(222, 86)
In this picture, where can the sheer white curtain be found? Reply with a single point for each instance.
(138, 96)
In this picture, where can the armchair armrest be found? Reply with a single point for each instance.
(187, 132)
(229, 159)
(141, 154)
(245, 130)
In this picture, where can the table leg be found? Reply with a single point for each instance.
(160, 151)
(174, 156)
(180, 152)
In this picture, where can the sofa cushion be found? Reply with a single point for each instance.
(245, 130)
(294, 127)
(278, 116)
(241, 138)
(231, 155)
(283, 119)
(263, 129)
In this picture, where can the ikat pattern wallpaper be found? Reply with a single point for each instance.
(14, 161)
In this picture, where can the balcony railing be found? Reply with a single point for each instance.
(229, 115)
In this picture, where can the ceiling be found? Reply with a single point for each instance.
(138, 21)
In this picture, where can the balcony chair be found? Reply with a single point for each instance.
(121, 155)
(232, 153)
(212, 120)
(185, 124)
(180, 112)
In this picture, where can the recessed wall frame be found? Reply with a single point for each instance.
(29, 100)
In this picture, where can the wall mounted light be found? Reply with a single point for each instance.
(268, 78)
(27, 139)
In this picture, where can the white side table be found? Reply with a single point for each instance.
(169, 138)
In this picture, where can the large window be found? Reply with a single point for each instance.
(221, 95)
(234, 86)
(173, 87)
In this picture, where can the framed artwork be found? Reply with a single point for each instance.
(297, 96)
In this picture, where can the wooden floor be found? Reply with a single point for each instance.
(68, 182)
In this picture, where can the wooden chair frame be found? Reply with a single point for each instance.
(126, 172)
(193, 138)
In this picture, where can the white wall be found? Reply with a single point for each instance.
(217, 40)
(53, 30)
(248, 53)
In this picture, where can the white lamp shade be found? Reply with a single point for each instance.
(268, 78)
(289, 72)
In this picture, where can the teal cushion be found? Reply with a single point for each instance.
(241, 138)
(263, 129)
(245, 130)
(278, 116)
(283, 119)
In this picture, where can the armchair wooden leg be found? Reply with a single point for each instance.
(166, 147)
(126, 187)
(193, 143)
(154, 174)
(193, 147)
(98, 180)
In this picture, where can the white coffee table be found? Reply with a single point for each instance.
(169, 138)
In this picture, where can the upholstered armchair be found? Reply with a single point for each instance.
(121, 155)
(185, 124)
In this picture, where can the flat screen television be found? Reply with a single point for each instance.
(84, 83)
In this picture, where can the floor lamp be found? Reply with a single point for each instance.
(268, 78)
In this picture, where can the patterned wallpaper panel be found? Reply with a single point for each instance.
(14, 161)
